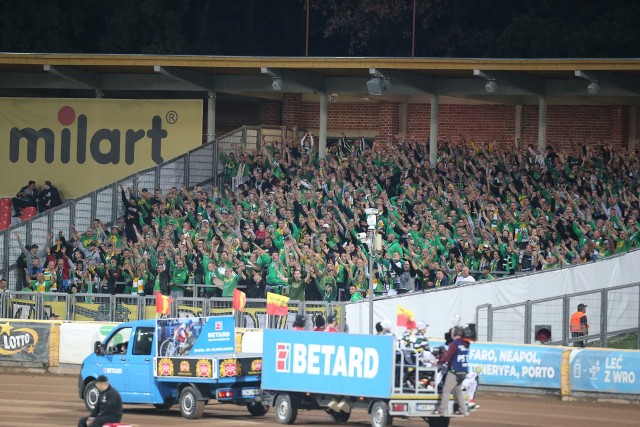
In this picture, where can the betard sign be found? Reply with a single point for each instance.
(84, 144)
(324, 362)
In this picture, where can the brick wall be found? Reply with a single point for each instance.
(484, 123)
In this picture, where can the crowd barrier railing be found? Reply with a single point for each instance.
(124, 308)
(612, 313)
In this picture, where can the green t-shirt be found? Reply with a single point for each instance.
(296, 289)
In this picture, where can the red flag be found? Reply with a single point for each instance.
(405, 317)
(163, 304)
(277, 304)
(239, 299)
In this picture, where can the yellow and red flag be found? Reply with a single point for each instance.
(239, 299)
(405, 317)
(277, 304)
(163, 304)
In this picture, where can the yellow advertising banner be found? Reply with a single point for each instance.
(84, 144)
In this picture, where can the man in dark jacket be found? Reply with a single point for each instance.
(49, 197)
(26, 197)
(456, 357)
(108, 409)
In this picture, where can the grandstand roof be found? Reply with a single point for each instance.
(413, 80)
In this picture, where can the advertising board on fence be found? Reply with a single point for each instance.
(610, 371)
(195, 336)
(24, 341)
(515, 365)
(348, 364)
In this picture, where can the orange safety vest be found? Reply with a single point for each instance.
(576, 326)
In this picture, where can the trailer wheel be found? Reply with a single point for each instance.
(437, 421)
(190, 407)
(380, 415)
(91, 394)
(286, 408)
(340, 417)
(257, 409)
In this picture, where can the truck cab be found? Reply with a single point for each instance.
(130, 359)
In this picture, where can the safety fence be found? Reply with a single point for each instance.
(124, 308)
(197, 167)
(613, 316)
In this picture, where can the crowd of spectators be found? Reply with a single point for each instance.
(285, 221)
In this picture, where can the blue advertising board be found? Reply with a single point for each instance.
(515, 365)
(609, 371)
(195, 336)
(324, 362)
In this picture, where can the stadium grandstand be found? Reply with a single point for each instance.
(484, 198)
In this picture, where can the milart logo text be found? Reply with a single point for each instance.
(104, 145)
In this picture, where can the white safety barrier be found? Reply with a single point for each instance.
(77, 339)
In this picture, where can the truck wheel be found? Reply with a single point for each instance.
(437, 421)
(91, 394)
(257, 409)
(340, 417)
(286, 408)
(380, 415)
(190, 407)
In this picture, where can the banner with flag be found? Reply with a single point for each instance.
(163, 304)
(277, 304)
(405, 317)
(239, 300)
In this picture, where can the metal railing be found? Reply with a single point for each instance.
(197, 167)
(123, 308)
(613, 315)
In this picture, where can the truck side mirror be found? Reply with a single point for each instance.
(97, 348)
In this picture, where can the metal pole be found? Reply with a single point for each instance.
(604, 298)
(433, 132)
(306, 46)
(371, 251)
(413, 32)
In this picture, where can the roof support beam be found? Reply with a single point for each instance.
(84, 78)
(194, 78)
(282, 77)
(618, 80)
(420, 83)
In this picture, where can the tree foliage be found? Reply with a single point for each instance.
(454, 28)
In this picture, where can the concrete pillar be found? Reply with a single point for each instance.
(542, 122)
(433, 131)
(633, 127)
(519, 126)
(322, 132)
(403, 119)
(211, 116)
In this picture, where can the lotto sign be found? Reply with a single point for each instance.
(352, 365)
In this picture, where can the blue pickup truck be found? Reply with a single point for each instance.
(167, 361)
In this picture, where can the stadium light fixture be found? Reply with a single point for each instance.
(378, 82)
(593, 87)
(277, 83)
(490, 86)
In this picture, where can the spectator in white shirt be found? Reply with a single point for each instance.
(465, 277)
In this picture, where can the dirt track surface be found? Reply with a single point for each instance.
(50, 400)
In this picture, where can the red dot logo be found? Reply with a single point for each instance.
(66, 115)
